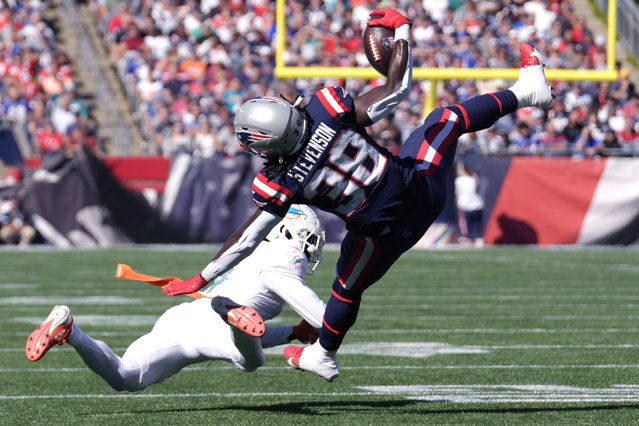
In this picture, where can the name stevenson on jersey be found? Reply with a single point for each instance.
(320, 139)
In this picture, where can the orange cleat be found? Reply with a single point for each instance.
(53, 331)
(243, 318)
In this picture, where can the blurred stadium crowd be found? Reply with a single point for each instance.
(187, 66)
(37, 87)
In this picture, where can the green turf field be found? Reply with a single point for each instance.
(493, 336)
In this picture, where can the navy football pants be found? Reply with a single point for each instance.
(365, 259)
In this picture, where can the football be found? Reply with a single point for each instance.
(378, 46)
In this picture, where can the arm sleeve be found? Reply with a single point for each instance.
(277, 335)
(380, 108)
(298, 295)
(272, 194)
(252, 236)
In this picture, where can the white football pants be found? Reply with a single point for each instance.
(185, 334)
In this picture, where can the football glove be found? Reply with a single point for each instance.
(387, 18)
(191, 285)
(304, 332)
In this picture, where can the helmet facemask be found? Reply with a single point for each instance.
(313, 246)
(302, 226)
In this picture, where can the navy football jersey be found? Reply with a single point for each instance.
(341, 170)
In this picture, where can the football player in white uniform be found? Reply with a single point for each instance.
(194, 332)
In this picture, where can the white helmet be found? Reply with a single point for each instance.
(269, 127)
(302, 225)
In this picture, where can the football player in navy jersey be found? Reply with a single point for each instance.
(321, 155)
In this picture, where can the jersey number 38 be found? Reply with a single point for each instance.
(353, 168)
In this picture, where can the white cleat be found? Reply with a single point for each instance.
(53, 331)
(532, 89)
(313, 358)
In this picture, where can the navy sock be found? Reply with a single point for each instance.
(483, 111)
(339, 316)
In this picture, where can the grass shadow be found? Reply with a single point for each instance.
(370, 407)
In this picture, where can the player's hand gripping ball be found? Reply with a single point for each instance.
(379, 37)
(388, 18)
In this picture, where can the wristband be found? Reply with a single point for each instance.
(403, 33)
(210, 271)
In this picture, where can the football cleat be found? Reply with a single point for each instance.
(243, 318)
(530, 56)
(313, 358)
(532, 89)
(53, 331)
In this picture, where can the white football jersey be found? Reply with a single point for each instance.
(192, 332)
(270, 277)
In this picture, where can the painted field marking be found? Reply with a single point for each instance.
(502, 297)
(149, 320)
(99, 320)
(473, 317)
(504, 393)
(17, 286)
(509, 306)
(135, 334)
(408, 349)
(181, 395)
(495, 330)
(223, 366)
(509, 393)
(24, 334)
(73, 300)
(96, 296)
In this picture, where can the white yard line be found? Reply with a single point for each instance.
(145, 320)
(498, 393)
(396, 349)
(223, 366)
(181, 395)
(149, 320)
(473, 317)
(69, 300)
(489, 296)
(494, 330)
(509, 393)
(599, 306)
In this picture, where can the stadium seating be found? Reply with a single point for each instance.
(188, 66)
(196, 63)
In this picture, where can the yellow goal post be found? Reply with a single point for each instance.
(435, 75)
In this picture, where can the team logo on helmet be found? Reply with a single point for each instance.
(302, 227)
(249, 138)
(294, 213)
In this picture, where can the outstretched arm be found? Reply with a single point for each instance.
(298, 295)
(376, 103)
(237, 248)
(241, 244)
